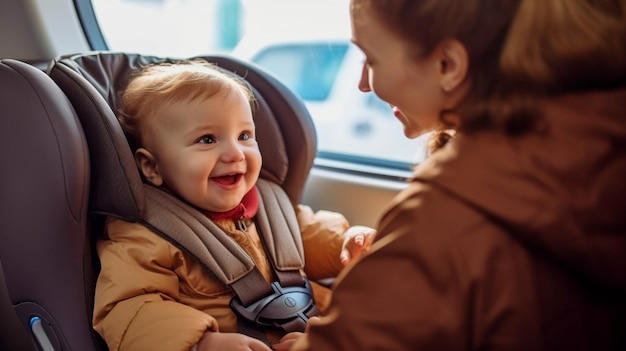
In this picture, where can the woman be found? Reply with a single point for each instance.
(512, 236)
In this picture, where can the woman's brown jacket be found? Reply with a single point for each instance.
(499, 243)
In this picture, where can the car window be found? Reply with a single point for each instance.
(309, 69)
(305, 44)
(376, 104)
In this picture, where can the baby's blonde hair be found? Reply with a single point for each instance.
(155, 86)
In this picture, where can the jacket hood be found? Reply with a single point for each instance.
(561, 191)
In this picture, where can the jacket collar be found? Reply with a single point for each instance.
(246, 209)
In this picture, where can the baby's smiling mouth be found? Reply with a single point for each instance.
(228, 179)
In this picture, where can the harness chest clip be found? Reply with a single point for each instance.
(287, 308)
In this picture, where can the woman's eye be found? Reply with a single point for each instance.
(206, 139)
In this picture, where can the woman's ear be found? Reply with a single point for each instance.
(454, 63)
(147, 164)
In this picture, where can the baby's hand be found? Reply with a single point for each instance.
(287, 341)
(358, 240)
(290, 339)
(231, 342)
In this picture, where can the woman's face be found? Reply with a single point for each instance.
(410, 85)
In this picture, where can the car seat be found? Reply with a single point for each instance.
(286, 137)
(284, 129)
(285, 133)
(51, 269)
(44, 242)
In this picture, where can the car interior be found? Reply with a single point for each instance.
(83, 170)
(66, 162)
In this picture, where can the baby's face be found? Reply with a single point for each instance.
(205, 151)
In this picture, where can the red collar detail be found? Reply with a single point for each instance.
(246, 209)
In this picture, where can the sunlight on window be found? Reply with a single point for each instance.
(305, 44)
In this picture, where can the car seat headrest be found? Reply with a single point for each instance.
(94, 83)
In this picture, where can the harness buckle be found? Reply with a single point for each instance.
(287, 308)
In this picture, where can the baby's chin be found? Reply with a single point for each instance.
(221, 208)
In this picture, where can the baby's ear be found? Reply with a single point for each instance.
(147, 164)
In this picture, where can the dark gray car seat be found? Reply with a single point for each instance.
(284, 131)
(93, 82)
(67, 164)
(44, 242)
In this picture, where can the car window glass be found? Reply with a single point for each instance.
(305, 44)
(309, 69)
(375, 103)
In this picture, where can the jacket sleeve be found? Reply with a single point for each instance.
(322, 238)
(137, 290)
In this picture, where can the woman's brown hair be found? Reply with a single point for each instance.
(560, 46)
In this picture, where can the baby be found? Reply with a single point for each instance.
(196, 139)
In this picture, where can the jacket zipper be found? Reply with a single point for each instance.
(241, 225)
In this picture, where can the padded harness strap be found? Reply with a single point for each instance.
(195, 234)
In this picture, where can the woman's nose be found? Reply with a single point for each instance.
(364, 82)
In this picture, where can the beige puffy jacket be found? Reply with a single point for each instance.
(152, 296)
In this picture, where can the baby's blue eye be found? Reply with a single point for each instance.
(244, 136)
(206, 139)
